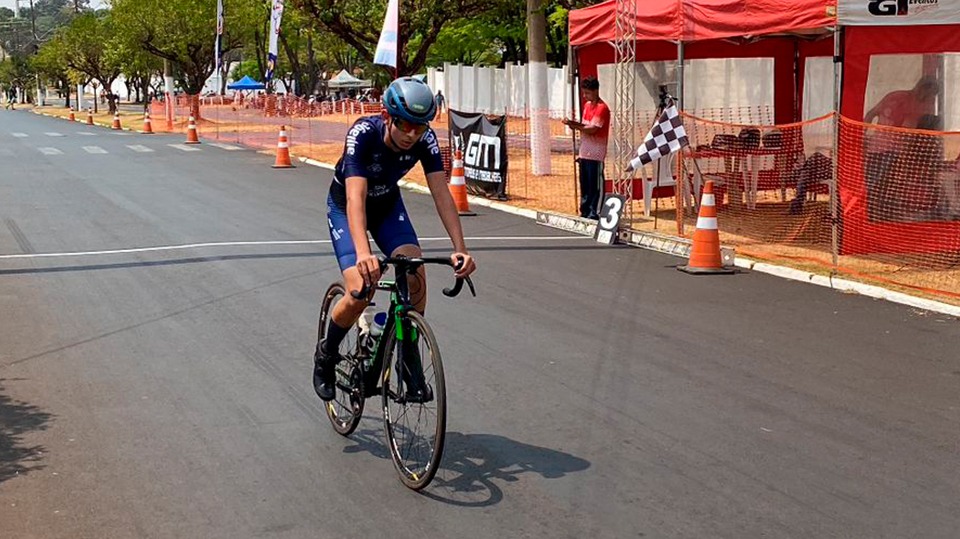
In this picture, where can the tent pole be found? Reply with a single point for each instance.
(835, 186)
(680, 185)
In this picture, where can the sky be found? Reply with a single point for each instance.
(26, 3)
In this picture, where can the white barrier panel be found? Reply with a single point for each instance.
(498, 90)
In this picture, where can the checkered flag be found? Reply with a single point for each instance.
(666, 136)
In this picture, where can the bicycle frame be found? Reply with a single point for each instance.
(399, 305)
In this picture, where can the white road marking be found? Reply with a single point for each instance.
(184, 147)
(53, 134)
(261, 243)
(228, 147)
(94, 149)
(86, 133)
(140, 148)
(20, 135)
(50, 151)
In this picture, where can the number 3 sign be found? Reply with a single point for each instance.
(609, 219)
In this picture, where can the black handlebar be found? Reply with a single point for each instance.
(408, 265)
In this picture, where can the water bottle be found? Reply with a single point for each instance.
(376, 328)
(365, 339)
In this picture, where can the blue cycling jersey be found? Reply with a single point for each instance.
(366, 155)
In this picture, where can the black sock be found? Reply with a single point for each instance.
(334, 337)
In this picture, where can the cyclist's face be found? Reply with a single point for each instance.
(406, 134)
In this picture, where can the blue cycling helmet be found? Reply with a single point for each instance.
(410, 99)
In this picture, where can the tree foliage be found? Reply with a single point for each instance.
(358, 24)
(180, 31)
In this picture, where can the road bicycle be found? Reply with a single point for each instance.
(387, 365)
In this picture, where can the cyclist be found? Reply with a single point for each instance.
(365, 196)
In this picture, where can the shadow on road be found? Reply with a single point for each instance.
(16, 419)
(475, 466)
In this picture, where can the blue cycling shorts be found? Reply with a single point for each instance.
(390, 229)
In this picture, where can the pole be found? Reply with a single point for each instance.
(680, 184)
(834, 186)
(573, 79)
(168, 93)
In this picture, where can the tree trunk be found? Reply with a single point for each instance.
(538, 97)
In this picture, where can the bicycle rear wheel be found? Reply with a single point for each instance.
(346, 408)
(415, 430)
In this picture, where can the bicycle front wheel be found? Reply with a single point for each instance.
(346, 408)
(415, 421)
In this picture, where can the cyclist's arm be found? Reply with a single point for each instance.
(356, 187)
(447, 209)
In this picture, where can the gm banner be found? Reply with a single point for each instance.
(482, 142)
(897, 12)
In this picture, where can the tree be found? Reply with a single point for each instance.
(358, 24)
(182, 32)
(50, 64)
(86, 46)
(499, 34)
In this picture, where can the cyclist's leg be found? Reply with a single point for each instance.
(394, 234)
(348, 310)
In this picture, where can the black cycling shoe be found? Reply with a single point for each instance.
(420, 395)
(325, 374)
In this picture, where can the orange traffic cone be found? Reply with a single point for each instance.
(89, 116)
(147, 128)
(73, 116)
(116, 121)
(705, 254)
(192, 137)
(458, 184)
(283, 150)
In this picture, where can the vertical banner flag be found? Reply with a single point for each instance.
(275, 17)
(386, 54)
(219, 43)
(482, 140)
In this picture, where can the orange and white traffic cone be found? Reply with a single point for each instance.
(458, 184)
(192, 137)
(116, 121)
(147, 128)
(89, 116)
(705, 256)
(73, 116)
(283, 150)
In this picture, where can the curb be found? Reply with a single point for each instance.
(95, 124)
(845, 285)
(681, 248)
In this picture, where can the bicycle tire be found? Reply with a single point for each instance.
(414, 479)
(346, 408)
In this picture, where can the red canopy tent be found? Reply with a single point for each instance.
(789, 31)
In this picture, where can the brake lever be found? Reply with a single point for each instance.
(364, 292)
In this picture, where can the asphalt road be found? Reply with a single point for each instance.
(594, 391)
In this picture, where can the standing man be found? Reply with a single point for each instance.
(441, 102)
(595, 128)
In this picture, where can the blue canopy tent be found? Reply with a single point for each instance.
(246, 83)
